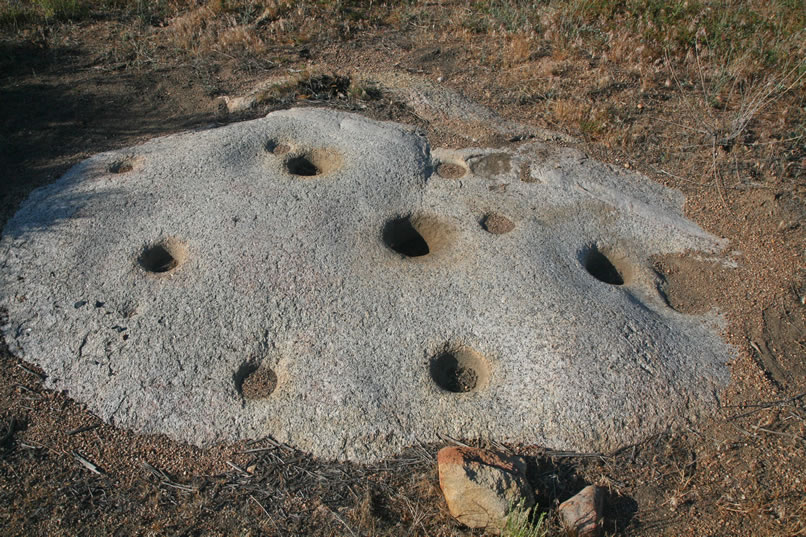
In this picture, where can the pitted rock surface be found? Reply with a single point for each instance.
(310, 277)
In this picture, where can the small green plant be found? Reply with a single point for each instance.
(61, 9)
(522, 522)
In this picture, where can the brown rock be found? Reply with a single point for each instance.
(481, 487)
(582, 514)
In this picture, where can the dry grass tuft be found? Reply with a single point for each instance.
(521, 47)
(569, 111)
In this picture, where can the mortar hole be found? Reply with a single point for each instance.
(602, 268)
(460, 370)
(163, 256)
(401, 236)
(125, 165)
(255, 382)
(497, 224)
(302, 166)
(451, 170)
(122, 166)
(277, 148)
(315, 162)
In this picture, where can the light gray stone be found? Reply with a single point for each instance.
(481, 487)
(152, 283)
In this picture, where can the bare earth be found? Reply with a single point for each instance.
(71, 90)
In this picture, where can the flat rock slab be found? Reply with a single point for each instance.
(312, 277)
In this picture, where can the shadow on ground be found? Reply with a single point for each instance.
(56, 110)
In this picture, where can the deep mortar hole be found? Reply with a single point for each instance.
(303, 166)
(401, 236)
(601, 267)
(460, 370)
(315, 162)
(253, 381)
(163, 256)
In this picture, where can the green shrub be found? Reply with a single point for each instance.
(522, 522)
(61, 9)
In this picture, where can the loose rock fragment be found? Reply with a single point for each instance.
(481, 487)
(582, 514)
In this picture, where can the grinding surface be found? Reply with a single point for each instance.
(310, 276)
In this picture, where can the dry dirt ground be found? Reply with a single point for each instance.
(71, 88)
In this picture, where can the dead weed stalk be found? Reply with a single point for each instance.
(714, 125)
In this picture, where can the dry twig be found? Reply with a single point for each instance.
(86, 463)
